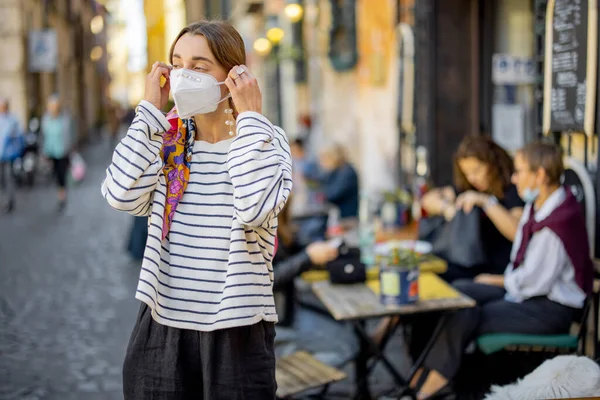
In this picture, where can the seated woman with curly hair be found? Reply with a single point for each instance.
(482, 177)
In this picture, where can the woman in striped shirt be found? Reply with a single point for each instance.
(212, 175)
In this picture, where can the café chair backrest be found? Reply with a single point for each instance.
(577, 179)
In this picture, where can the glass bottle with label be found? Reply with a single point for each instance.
(366, 230)
(334, 223)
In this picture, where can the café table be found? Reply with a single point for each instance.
(358, 303)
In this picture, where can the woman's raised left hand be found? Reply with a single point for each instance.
(244, 89)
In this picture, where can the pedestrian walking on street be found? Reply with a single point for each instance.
(58, 133)
(212, 175)
(11, 145)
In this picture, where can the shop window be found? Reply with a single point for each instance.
(343, 51)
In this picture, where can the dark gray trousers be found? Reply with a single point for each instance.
(493, 314)
(7, 182)
(165, 363)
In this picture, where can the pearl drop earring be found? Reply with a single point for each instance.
(229, 123)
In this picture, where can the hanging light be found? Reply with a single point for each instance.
(275, 35)
(96, 53)
(294, 12)
(97, 24)
(262, 46)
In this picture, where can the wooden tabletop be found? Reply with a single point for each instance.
(358, 301)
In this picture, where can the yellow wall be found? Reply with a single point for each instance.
(174, 20)
(378, 93)
(164, 20)
(375, 38)
(154, 11)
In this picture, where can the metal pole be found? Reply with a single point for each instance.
(276, 50)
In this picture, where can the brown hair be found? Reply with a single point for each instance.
(546, 156)
(484, 149)
(224, 41)
(285, 228)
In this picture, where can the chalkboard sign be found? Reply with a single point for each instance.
(569, 61)
(570, 66)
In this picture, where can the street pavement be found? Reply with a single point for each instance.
(66, 293)
(67, 298)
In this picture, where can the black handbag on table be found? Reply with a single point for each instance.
(458, 241)
(347, 268)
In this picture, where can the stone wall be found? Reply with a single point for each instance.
(13, 57)
(348, 108)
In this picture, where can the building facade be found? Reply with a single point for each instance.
(459, 46)
(386, 77)
(333, 75)
(49, 47)
(481, 72)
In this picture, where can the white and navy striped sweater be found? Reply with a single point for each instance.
(213, 270)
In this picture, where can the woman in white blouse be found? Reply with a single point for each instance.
(547, 280)
(212, 175)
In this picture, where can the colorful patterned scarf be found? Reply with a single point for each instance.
(176, 154)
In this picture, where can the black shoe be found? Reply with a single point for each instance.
(62, 204)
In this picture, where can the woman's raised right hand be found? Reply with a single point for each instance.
(154, 93)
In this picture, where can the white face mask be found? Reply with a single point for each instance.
(195, 92)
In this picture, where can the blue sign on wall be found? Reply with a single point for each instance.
(43, 51)
(512, 70)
